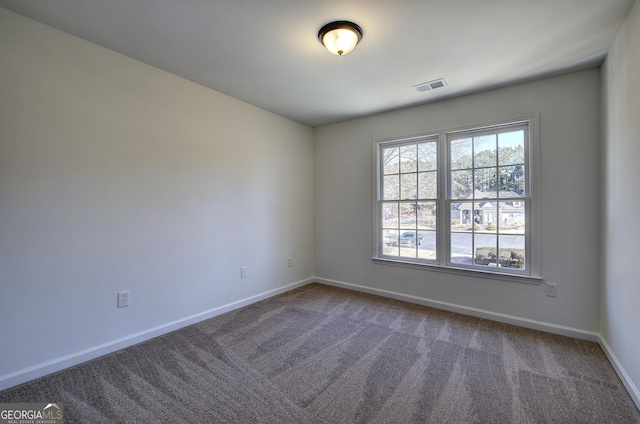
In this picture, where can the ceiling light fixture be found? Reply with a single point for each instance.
(340, 37)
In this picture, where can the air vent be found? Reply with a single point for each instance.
(431, 85)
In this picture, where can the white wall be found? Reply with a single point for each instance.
(569, 108)
(115, 176)
(620, 297)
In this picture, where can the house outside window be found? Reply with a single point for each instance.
(463, 199)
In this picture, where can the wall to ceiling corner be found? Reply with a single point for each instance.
(620, 297)
(115, 175)
(569, 110)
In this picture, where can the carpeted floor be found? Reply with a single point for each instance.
(321, 354)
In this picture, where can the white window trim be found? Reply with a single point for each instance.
(532, 158)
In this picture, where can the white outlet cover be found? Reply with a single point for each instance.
(124, 298)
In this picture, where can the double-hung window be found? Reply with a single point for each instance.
(459, 199)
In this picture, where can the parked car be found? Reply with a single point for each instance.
(408, 238)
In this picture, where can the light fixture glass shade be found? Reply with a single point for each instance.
(340, 37)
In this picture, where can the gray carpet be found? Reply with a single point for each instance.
(320, 354)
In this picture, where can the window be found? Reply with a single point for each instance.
(459, 199)
(409, 199)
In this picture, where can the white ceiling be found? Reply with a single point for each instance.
(266, 52)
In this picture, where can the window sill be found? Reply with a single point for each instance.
(515, 278)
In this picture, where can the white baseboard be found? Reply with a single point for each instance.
(622, 373)
(480, 313)
(58, 364)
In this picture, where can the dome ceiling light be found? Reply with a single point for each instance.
(340, 37)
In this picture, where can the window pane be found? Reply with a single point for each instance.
(390, 160)
(390, 215)
(391, 244)
(408, 215)
(410, 241)
(460, 152)
(391, 189)
(512, 217)
(485, 183)
(486, 249)
(511, 181)
(461, 184)
(461, 216)
(428, 185)
(408, 252)
(427, 247)
(461, 247)
(455, 215)
(512, 252)
(409, 158)
(408, 186)
(427, 215)
(427, 157)
(511, 148)
(484, 151)
(477, 216)
(485, 215)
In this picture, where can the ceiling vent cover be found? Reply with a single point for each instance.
(431, 85)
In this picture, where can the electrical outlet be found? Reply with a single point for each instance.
(551, 289)
(290, 262)
(123, 299)
(243, 272)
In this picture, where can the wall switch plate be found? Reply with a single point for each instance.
(551, 289)
(243, 272)
(123, 299)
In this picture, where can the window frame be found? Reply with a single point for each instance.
(531, 273)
